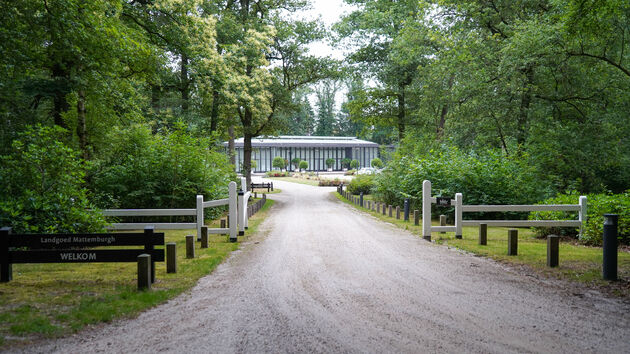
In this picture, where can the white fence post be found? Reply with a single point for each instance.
(200, 220)
(232, 210)
(458, 215)
(426, 210)
(582, 214)
(241, 213)
(244, 186)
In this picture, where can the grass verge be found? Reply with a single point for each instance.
(52, 300)
(578, 263)
(309, 182)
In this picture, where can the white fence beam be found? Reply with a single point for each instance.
(426, 210)
(232, 210)
(504, 208)
(200, 218)
(459, 199)
(149, 212)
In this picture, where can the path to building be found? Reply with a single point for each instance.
(323, 277)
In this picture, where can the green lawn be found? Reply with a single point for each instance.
(577, 262)
(48, 300)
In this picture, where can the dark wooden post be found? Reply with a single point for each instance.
(383, 207)
(609, 247)
(223, 223)
(553, 250)
(171, 257)
(397, 212)
(190, 246)
(204, 237)
(512, 242)
(271, 187)
(483, 234)
(389, 210)
(6, 268)
(416, 217)
(406, 209)
(148, 247)
(144, 272)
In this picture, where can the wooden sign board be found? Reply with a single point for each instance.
(441, 201)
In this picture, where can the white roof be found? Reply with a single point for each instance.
(306, 141)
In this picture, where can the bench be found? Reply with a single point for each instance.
(268, 186)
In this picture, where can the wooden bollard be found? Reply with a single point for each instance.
(171, 257)
(553, 250)
(483, 234)
(384, 208)
(416, 217)
(144, 272)
(512, 242)
(378, 207)
(389, 210)
(397, 213)
(204, 237)
(190, 246)
(223, 223)
(442, 222)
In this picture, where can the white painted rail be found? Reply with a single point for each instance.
(198, 212)
(427, 228)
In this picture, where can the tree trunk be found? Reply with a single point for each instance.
(184, 82)
(231, 151)
(81, 125)
(214, 112)
(60, 104)
(526, 99)
(442, 123)
(401, 114)
(247, 157)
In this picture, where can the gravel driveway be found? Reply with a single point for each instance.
(323, 277)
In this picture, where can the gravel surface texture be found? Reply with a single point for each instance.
(321, 276)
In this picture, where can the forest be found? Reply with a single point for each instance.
(125, 103)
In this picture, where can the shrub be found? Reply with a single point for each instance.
(345, 162)
(142, 170)
(41, 186)
(277, 174)
(363, 183)
(487, 177)
(354, 164)
(597, 206)
(330, 162)
(278, 162)
(303, 165)
(330, 182)
(296, 162)
(377, 163)
(350, 172)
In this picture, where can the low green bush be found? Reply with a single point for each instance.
(363, 183)
(597, 206)
(354, 164)
(278, 162)
(376, 163)
(330, 182)
(41, 186)
(487, 177)
(303, 165)
(350, 172)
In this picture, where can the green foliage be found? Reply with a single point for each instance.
(303, 165)
(483, 178)
(330, 162)
(345, 162)
(142, 170)
(597, 206)
(278, 162)
(350, 172)
(376, 163)
(41, 186)
(325, 182)
(354, 164)
(296, 162)
(362, 183)
(277, 174)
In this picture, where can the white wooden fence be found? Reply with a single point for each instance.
(427, 200)
(243, 198)
(198, 212)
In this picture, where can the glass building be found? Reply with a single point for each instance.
(313, 149)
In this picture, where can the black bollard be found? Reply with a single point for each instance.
(361, 199)
(406, 206)
(609, 267)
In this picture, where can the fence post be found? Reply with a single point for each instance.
(426, 210)
(389, 210)
(458, 215)
(6, 268)
(148, 247)
(582, 215)
(609, 247)
(553, 250)
(144, 271)
(171, 257)
(397, 212)
(190, 246)
(483, 234)
(384, 207)
(204, 237)
(200, 220)
(241, 213)
(406, 207)
(442, 222)
(416, 217)
(232, 210)
(512, 242)
(361, 199)
(271, 187)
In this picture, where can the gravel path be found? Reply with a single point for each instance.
(323, 277)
